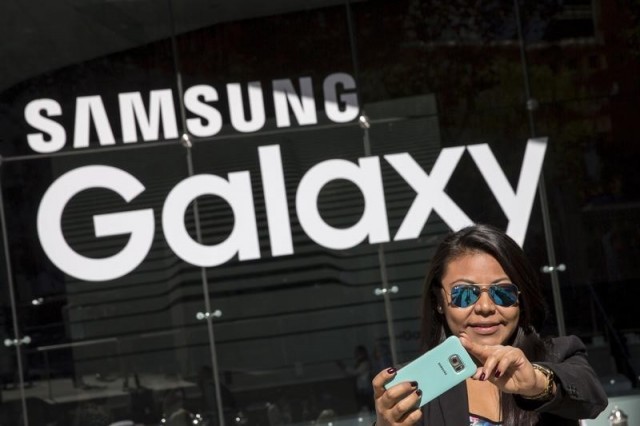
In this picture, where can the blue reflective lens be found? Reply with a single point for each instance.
(465, 295)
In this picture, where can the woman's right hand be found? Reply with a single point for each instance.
(397, 405)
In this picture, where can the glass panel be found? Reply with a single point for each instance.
(407, 128)
(455, 82)
(108, 342)
(288, 298)
(469, 65)
(13, 362)
(282, 313)
(109, 336)
(585, 96)
(581, 85)
(70, 61)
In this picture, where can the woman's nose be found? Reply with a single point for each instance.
(484, 304)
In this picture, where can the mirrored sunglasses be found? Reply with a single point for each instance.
(465, 295)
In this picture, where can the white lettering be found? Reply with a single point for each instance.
(256, 107)
(56, 133)
(243, 239)
(212, 116)
(237, 192)
(161, 107)
(332, 102)
(304, 108)
(139, 224)
(86, 108)
(275, 199)
(368, 178)
(430, 192)
(158, 118)
(516, 205)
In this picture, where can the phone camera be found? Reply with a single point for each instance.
(456, 363)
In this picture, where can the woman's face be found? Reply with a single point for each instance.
(483, 322)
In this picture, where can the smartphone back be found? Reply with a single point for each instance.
(437, 370)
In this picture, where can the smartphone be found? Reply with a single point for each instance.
(437, 370)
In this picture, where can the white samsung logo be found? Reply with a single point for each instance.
(340, 105)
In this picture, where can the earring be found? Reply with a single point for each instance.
(439, 309)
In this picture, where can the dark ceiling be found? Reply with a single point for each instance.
(44, 35)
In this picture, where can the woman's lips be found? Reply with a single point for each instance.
(485, 328)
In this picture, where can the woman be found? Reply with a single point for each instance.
(481, 288)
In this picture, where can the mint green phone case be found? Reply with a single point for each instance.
(437, 370)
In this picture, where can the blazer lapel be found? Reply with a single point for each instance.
(450, 408)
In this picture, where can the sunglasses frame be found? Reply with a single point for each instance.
(483, 288)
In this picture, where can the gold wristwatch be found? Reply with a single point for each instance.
(548, 389)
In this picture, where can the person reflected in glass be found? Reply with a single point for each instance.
(481, 288)
(174, 413)
(381, 356)
(209, 405)
(361, 370)
(91, 414)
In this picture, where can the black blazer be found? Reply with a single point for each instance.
(579, 394)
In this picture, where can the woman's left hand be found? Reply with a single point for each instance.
(507, 367)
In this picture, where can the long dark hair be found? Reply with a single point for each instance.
(492, 241)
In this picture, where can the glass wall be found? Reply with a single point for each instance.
(222, 213)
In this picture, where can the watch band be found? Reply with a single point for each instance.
(548, 389)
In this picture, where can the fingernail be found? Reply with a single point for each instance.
(497, 374)
(414, 384)
(418, 392)
(391, 370)
(482, 376)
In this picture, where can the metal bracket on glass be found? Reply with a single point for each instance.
(185, 140)
(381, 291)
(17, 342)
(203, 315)
(363, 121)
(549, 269)
(532, 104)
